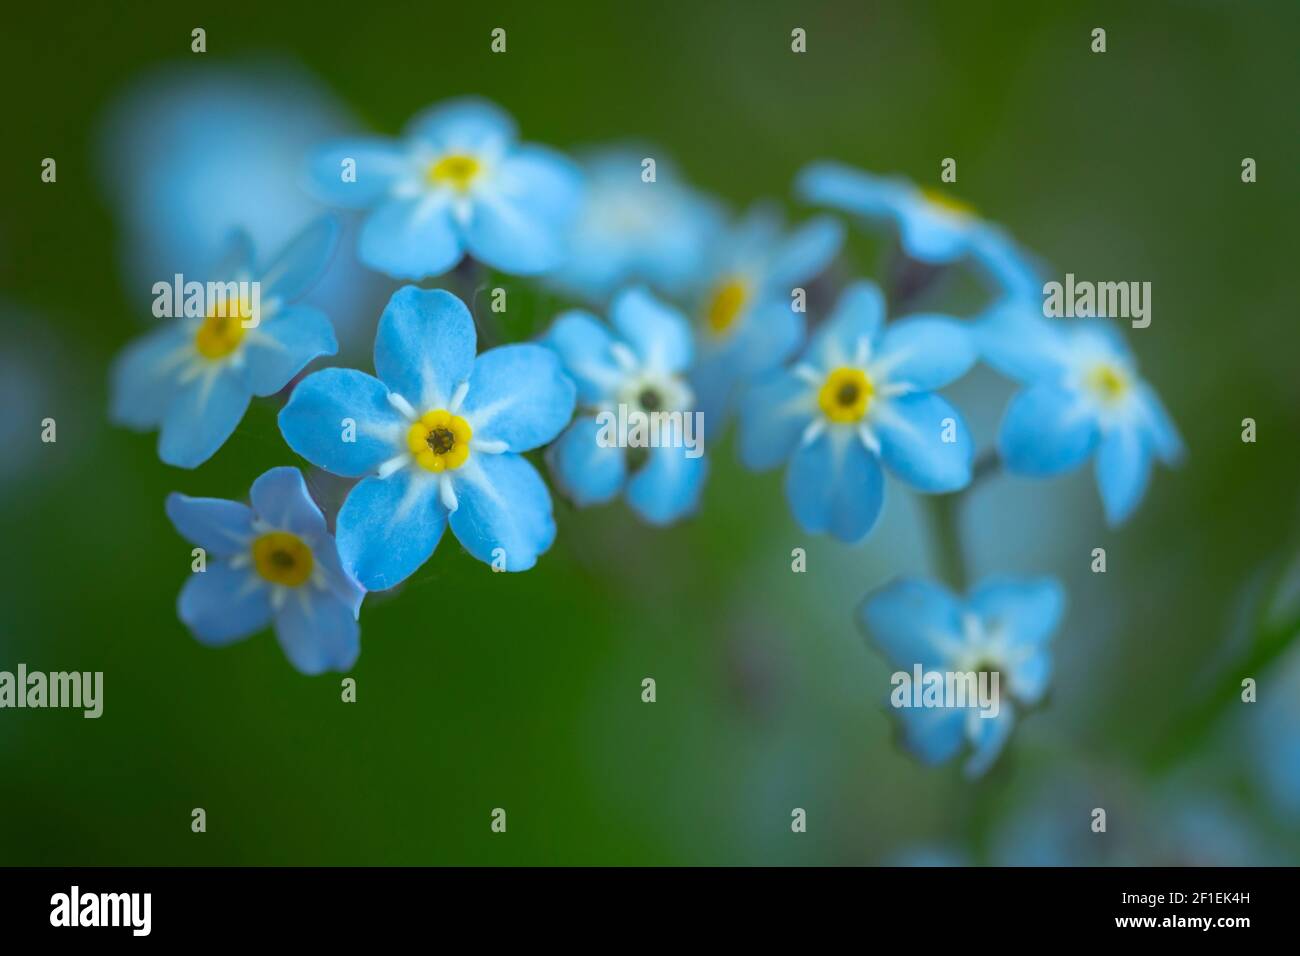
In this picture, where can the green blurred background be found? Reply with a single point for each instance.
(478, 690)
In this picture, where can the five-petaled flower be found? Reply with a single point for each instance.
(457, 183)
(1002, 626)
(862, 394)
(272, 562)
(193, 378)
(437, 437)
(748, 321)
(641, 368)
(1083, 395)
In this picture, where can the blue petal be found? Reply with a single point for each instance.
(520, 395)
(858, 316)
(1123, 471)
(410, 238)
(583, 345)
(988, 736)
(805, 253)
(911, 430)
(933, 734)
(849, 189)
(835, 486)
(341, 584)
(668, 485)
(388, 527)
(379, 164)
(315, 420)
(1026, 611)
(503, 503)
(1014, 273)
(1030, 676)
(424, 347)
(218, 526)
(282, 346)
(913, 621)
(1046, 431)
(201, 417)
(1160, 429)
(520, 223)
(223, 604)
(586, 471)
(469, 124)
(281, 499)
(297, 268)
(318, 634)
(657, 333)
(925, 351)
(932, 235)
(773, 416)
(144, 376)
(1016, 340)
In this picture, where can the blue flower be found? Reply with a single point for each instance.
(862, 395)
(458, 183)
(272, 563)
(747, 320)
(1274, 736)
(642, 370)
(193, 378)
(436, 439)
(1083, 396)
(659, 233)
(933, 227)
(1003, 626)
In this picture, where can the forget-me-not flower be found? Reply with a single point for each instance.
(271, 563)
(193, 378)
(630, 231)
(1083, 398)
(436, 440)
(458, 183)
(933, 227)
(641, 368)
(746, 319)
(1002, 626)
(862, 395)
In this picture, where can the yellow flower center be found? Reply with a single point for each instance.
(946, 203)
(223, 329)
(455, 170)
(282, 558)
(726, 305)
(845, 395)
(1108, 382)
(439, 440)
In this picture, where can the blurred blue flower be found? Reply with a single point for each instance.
(1274, 736)
(1003, 626)
(641, 368)
(629, 231)
(178, 206)
(862, 394)
(193, 378)
(272, 563)
(747, 323)
(457, 183)
(438, 437)
(1083, 395)
(933, 227)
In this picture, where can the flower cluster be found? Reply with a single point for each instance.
(680, 316)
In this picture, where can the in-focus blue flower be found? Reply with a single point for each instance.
(1003, 626)
(933, 227)
(274, 562)
(862, 395)
(193, 378)
(629, 232)
(1083, 396)
(642, 370)
(457, 183)
(436, 439)
(746, 318)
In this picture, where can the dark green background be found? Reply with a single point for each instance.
(479, 690)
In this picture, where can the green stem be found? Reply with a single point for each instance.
(949, 558)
